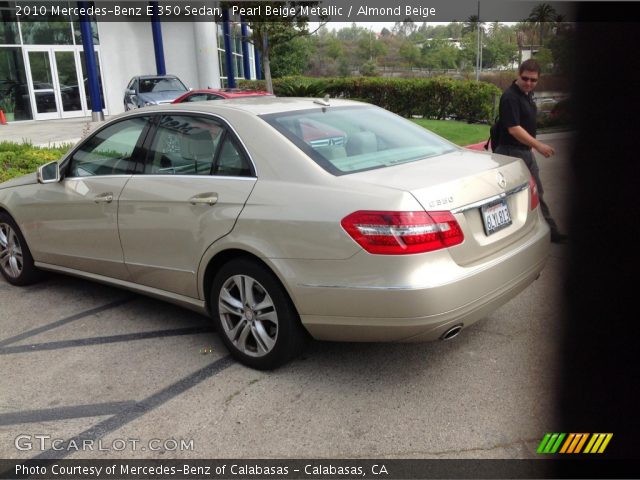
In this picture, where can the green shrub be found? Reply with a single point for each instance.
(299, 87)
(438, 97)
(474, 101)
(18, 159)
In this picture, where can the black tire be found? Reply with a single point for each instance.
(247, 325)
(16, 262)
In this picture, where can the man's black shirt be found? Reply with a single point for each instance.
(516, 108)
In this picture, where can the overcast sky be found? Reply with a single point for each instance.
(375, 26)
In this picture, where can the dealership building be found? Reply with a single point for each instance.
(45, 74)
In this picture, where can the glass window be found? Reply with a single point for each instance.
(196, 97)
(239, 66)
(352, 139)
(14, 93)
(77, 32)
(54, 31)
(110, 151)
(184, 145)
(161, 84)
(8, 25)
(85, 80)
(222, 64)
(231, 162)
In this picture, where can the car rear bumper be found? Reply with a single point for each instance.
(423, 297)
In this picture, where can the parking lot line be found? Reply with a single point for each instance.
(64, 321)
(63, 413)
(83, 342)
(140, 408)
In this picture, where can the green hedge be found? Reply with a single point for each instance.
(21, 158)
(437, 98)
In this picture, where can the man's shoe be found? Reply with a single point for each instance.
(557, 237)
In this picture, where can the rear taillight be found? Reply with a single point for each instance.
(533, 193)
(399, 233)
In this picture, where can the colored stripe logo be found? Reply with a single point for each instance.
(574, 443)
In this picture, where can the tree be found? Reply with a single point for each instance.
(409, 52)
(266, 34)
(440, 54)
(472, 24)
(542, 16)
(404, 28)
(291, 58)
(562, 46)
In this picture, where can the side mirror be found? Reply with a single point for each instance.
(49, 173)
(131, 92)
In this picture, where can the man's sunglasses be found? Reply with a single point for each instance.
(529, 79)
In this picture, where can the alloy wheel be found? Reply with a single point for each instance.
(11, 259)
(248, 315)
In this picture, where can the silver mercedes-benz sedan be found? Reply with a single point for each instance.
(282, 218)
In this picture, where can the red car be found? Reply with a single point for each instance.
(219, 94)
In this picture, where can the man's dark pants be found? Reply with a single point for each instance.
(530, 160)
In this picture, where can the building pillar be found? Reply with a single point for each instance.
(245, 49)
(97, 114)
(256, 57)
(228, 53)
(206, 42)
(158, 47)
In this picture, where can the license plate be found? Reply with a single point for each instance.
(496, 216)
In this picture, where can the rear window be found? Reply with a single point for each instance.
(352, 139)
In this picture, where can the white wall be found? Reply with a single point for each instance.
(179, 52)
(126, 48)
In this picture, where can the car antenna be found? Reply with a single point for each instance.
(324, 102)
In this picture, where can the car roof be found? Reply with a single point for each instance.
(231, 92)
(259, 105)
(155, 76)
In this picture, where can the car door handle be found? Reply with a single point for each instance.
(204, 198)
(104, 198)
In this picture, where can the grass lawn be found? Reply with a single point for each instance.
(460, 133)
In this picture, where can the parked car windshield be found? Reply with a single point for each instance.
(148, 85)
(352, 139)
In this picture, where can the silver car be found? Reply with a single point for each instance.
(382, 231)
(146, 90)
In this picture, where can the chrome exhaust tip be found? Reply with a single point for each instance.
(452, 332)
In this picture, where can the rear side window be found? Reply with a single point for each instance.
(193, 145)
(352, 139)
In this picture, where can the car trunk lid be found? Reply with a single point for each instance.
(488, 195)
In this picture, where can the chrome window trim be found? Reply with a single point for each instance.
(154, 175)
(480, 203)
(120, 175)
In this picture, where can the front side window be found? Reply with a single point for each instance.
(110, 151)
(346, 140)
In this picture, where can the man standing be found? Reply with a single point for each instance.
(518, 131)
